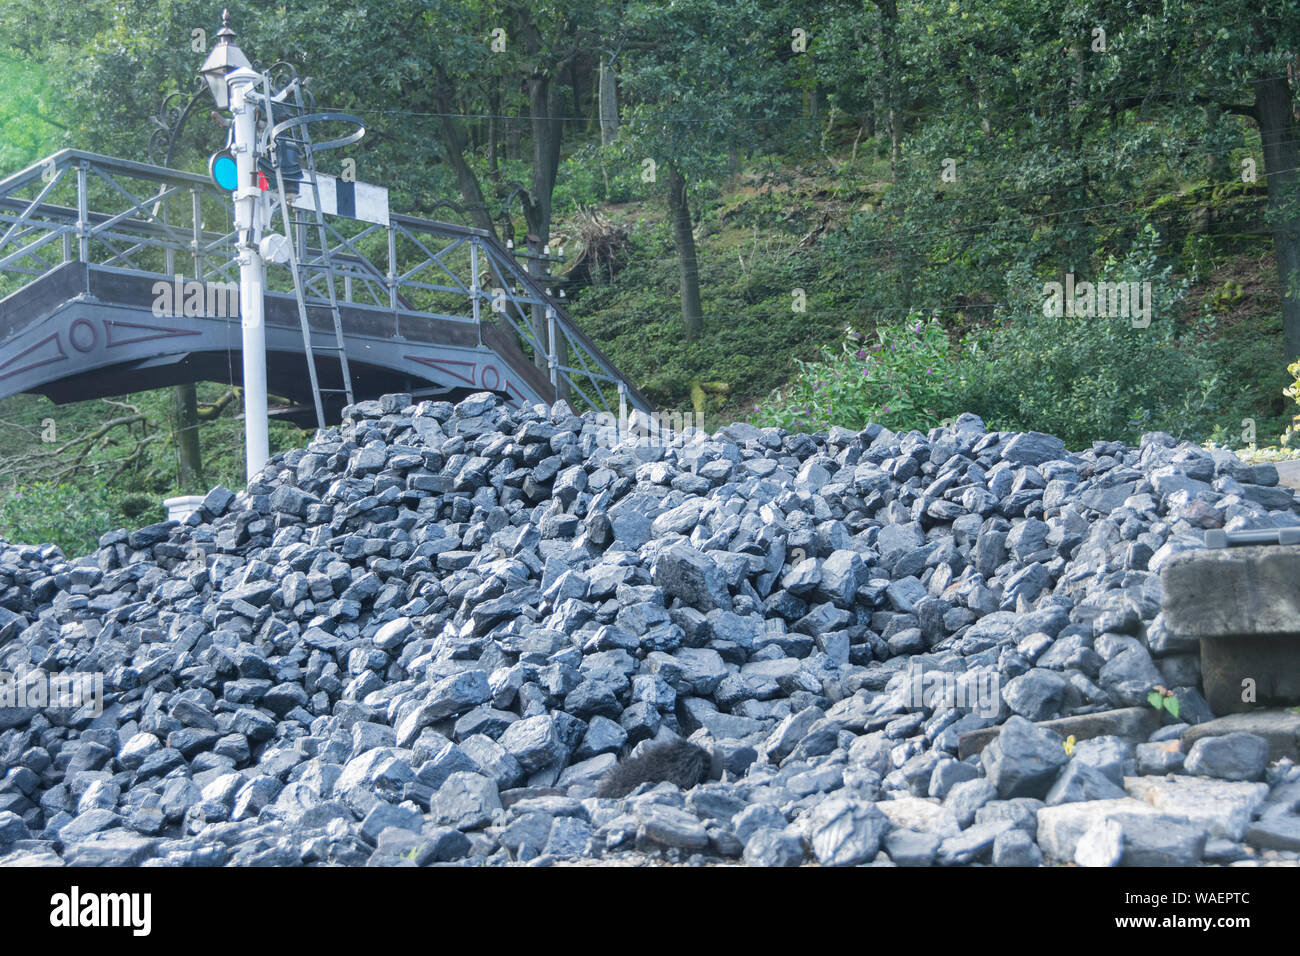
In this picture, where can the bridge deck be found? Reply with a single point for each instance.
(95, 246)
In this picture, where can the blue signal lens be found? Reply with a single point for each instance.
(224, 171)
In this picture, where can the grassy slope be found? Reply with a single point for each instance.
(756, 244)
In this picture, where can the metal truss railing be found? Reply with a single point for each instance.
(79, 206)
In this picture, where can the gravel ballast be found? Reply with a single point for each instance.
(437, 632)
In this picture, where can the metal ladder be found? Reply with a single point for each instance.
(299, 137)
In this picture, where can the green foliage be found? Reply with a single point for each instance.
(1092, 378)
(582, 183)
(72, 516)
(30, 127)
(139, 508)
(122, 478)
(903, 376)
(692, 96)
(1084, 378)
(1163, 699)
(751, 332)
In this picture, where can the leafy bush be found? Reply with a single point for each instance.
(592, 174)
(1088, 378)
(70, 516)
(1082, 378)
(909, 376)
(137, 506)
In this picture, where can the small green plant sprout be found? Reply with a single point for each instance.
(1162, 698)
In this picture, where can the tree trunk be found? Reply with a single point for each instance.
(608, 97)
(575, 80)
(1278, 131)
(546, 135)
(687, 264)
(494, 135)
(607, 111)
(454, 144)
(547, 131)
(187, 437)
(888, 21)
(1216, 162)
(514, 149)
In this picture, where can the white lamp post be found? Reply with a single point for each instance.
(232, 80)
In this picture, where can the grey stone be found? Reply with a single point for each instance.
(692, 577)
(1151, 838)
(1280, 728)
(1275, 833)
(385, 815)
(1108, 754)
(1038, 694)
(911, 847)
(1225, 808)
(771, 847)
(1033, 448)
(111, 848)
(12, 829)
(570, 837)
(845, 831)
(1160, 757)
(757, 816)
(1016, 847)
(965, 799)
(457, 694)
(972, 845)
(434, 611)
(1101, 845)
(534, 742)
(466, 801)
(1023, 760)
(671, 827)
(1080, 781)
(1235, 756)
(1131, 723)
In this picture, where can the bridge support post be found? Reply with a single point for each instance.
(474, 287)
(552, 358)
(83, 212)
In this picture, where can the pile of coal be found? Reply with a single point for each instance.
(450, 634)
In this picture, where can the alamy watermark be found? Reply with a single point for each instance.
(979, 691)
(194, 299)
(75, 909)
(682, 431)
(1114, 300)
(64, 690)
(653, 430)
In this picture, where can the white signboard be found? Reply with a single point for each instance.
(353, 200)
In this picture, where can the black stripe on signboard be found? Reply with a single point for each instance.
(345, 198)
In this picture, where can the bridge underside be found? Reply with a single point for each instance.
(84, 331)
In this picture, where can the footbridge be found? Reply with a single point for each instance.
(115, 277)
